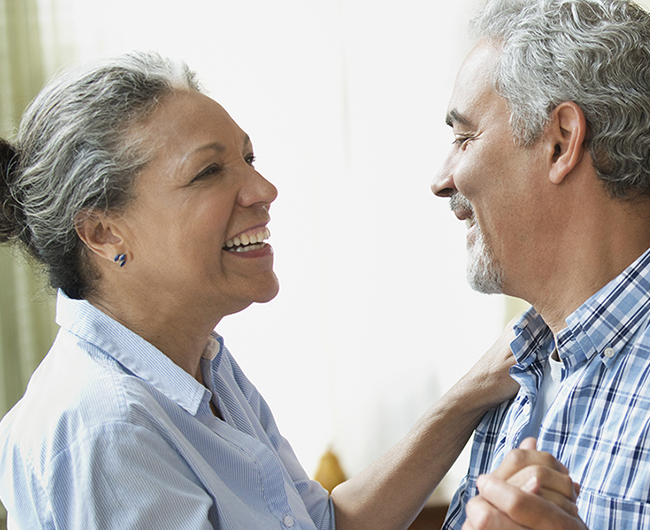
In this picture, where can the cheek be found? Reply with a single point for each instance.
(207, 218)
(472, 177)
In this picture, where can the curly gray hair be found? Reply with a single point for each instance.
(595, 53)
(73, 154)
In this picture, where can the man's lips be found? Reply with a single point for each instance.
(251, 239)
(462, 209)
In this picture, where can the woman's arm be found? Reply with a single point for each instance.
(390, 493)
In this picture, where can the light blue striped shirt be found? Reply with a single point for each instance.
(598, 426)
(111, 434)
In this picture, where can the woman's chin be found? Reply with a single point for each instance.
(263, 295)
(271, 292)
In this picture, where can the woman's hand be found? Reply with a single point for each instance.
(490, 377)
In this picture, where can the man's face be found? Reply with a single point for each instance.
(492, 182)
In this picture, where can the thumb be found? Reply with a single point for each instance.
(528, 443)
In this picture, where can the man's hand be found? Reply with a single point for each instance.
(530, 489)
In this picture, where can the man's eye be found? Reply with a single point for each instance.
(250, 160)
(461, 141)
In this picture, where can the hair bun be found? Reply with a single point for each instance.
(11, 215)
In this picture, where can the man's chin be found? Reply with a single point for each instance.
(485, 286)
(484, 277)
(484, 274)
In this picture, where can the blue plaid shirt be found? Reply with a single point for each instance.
(599, 424)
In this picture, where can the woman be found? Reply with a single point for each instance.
(139, 195)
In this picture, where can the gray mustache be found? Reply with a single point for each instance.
(459, 202)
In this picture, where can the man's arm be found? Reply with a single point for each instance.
(530, 489)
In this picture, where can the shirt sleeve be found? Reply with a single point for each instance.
(486, 439)
(314, 497)
(123, 476)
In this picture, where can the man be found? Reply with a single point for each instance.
(550, 168)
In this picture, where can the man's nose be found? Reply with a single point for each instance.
(442, 184)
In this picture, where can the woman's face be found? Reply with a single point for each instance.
(195, 231)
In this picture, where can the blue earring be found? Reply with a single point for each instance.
(121, 258)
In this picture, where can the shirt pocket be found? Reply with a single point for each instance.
(601, 511)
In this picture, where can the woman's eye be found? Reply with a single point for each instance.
(212, 169)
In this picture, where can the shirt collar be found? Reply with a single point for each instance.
(610, 318)
(135, 354)
(606, 321)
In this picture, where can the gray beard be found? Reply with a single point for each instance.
(484, 274)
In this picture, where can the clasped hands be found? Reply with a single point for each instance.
(530, 489)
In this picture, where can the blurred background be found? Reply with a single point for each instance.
(345, 103)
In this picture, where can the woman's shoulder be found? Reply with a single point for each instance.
(76, 390)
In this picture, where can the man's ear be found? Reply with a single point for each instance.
(565, 133)
(100, 234)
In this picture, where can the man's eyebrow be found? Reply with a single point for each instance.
(454, 116)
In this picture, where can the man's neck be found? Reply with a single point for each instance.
(582, 265)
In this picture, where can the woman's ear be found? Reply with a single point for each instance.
(100, 234)
(566, 133)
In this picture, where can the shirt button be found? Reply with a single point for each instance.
(288, 521)
(609, 352)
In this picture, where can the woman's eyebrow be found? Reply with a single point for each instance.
(213, 146)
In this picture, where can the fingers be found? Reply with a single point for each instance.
(518, 459)
(498, 499)
(542, 475)
(545, 481)
(530, 489)
(491, 372)
(565, 500)
(481, 515)
(528, 444)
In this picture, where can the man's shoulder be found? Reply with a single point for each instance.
(642, 337)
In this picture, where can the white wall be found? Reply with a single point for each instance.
(345, 103)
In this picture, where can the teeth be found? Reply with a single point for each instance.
(470, 222)
(246, 242)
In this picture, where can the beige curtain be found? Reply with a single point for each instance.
(27, 325)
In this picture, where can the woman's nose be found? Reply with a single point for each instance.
(257, 190)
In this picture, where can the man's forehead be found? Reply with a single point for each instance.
(473, 86)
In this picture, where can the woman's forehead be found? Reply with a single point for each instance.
(185, 130)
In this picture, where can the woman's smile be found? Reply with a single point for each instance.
(253, 239)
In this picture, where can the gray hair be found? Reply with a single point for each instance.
(595, 53)
(73, 154)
